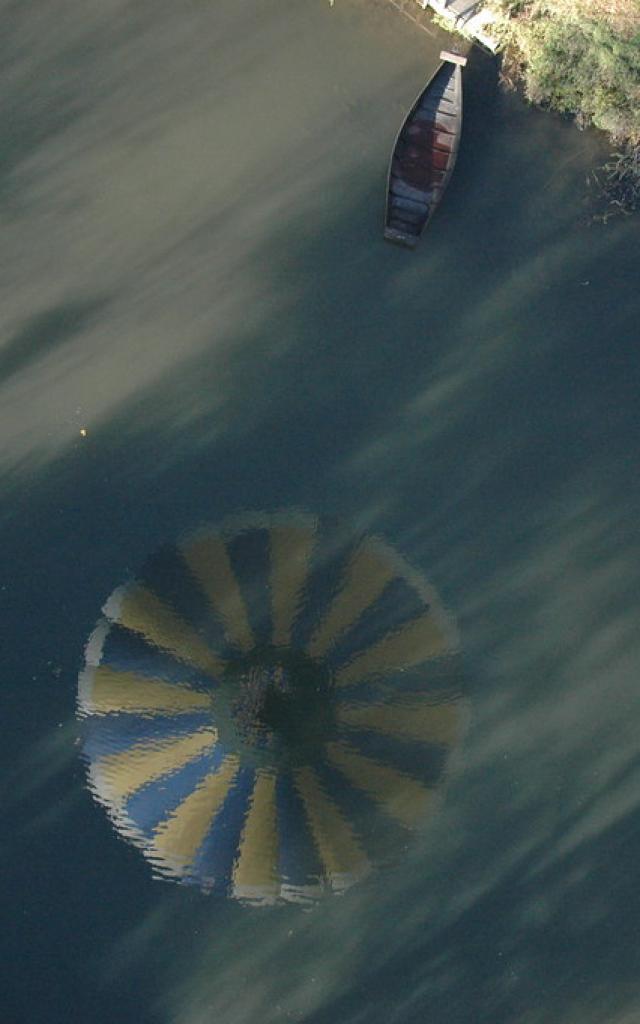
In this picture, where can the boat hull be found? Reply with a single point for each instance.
(424, 155)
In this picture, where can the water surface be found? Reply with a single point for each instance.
(192, 205)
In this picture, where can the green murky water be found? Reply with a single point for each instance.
(200, 319)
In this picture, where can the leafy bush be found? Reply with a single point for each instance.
(578, 57)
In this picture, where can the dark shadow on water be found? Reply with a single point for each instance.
(45, 333)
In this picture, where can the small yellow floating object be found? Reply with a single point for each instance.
(83, 432)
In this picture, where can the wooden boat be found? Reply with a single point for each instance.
(424, 155)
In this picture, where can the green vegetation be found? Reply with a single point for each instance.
(582, 57)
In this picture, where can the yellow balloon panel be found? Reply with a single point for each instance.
(119, 775)
(422, 722)
(408, 646)
(177, 840)
(208, 560)
(365, 578)
(402, 797)
(137, 608)
(111, 691)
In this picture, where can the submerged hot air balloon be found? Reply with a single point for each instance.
(268, 708)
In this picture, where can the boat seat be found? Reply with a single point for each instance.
(441, 117)
(407, 211)
(436, 121)
(419, 134)
(401, 188)
(442, 142)
(440, 159)
(435, 102)
(418, 179)
(404, 227)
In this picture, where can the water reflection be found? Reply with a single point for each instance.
(269, 707)
(259, 344)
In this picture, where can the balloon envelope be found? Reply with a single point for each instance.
(269, 708)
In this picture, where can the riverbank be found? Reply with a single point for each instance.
(468, 18)
(580, 58)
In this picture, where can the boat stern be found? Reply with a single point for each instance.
(400, 238)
